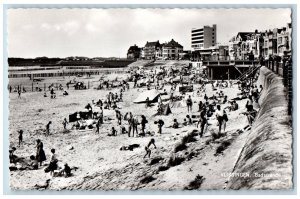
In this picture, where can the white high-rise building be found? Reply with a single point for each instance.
(204, 37)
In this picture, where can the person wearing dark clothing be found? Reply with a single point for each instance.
(147, 102)
(129, 118)
(40, 154)
(53, 162)
(12, 157)
(33, 165)
(20, 136)
(113, 132)
(52, 93)
(189, 104)
(135, 126)
(200, 105)
(143, 124)
(175, 124)
(225, 99)
(249, 104)
(160, 124)
(119, 116)
(101, 116)
(65, 122)
(148, 152)
(65, 93)
(19, 93)
(189, 120)
(98, 124)
(205, 97)
(67, 170)
(48, 128)
(152, 142)
(202, 121)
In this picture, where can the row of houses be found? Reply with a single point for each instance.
(274, 42)
(155, 50)
(248, 46)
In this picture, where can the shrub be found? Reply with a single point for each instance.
(180, 147)
(155, 160)
(174, 161)
(163, 168)
(147, 179)
(195, 184)
(222, 147)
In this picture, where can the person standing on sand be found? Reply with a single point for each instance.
(202, 121)
(101, 115)
(20, 137)
(98, 124)
(65, 122)
(53, 162)
(220, 117)
(118, 116)
(40, 154)
(189, 104)
(19, 93)
(48, 128)
(134, 126)
(160, 124)
(130, 122)
(143, 124)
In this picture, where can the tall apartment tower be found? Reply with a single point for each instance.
(204, 37)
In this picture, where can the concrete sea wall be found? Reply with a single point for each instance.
(266, 159)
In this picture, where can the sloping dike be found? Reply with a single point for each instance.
(266, 158)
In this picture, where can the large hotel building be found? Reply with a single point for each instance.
(204, 37)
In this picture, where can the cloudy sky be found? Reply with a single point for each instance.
(110, 32)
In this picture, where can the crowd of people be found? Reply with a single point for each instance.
(215, 107)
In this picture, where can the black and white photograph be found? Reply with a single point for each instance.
(150, 99)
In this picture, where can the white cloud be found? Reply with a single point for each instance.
(45, 26)
(91, 28)
(110, 32)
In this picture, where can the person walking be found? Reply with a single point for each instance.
(48, 128)
(202, 121)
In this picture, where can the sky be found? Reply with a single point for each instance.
(110, 32)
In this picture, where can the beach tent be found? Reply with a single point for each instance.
(178, 104)
(166, 109)
(176, 79)
(152, 94)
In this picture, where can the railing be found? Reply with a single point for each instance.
(284, 69)
(250, 71)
